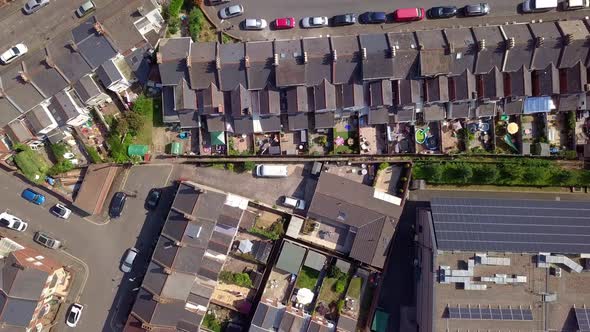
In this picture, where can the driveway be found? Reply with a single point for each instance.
(502, 11)
(101, 247)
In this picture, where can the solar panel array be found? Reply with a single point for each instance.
(475, 224)
(583, 318)
(490, 313)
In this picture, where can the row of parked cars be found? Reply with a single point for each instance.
(399, 15)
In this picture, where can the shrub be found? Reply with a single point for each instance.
(383, 166)
(174, 7)
(210, 322)
(62, 166)
(322, 140)
(457, 173)
(117, 149)
(568, 154)
(230, 167)
(173, 24)
(340, 305)
(58, 151)
(31, 164)
(274, 232)
(93, 154)
(334, 272)
(340, 285)
(241, 279)
(195, 23)
(249, 166)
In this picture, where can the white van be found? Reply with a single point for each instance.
(535, 6)
(293, 202)
(271, 171)
(575, 4)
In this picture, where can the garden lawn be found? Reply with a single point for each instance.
(327, 294)
(354, 289)
(31, 164)
(145, 106)
(307, 278)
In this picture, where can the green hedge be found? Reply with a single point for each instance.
(195, 23)
(241, 279)
(93, 154)
(275, 231)
(521, 172)
(174, 7)
(30, 163)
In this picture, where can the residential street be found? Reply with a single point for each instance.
(101, 247)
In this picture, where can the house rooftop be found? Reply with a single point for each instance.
(319, 60)
(348, 64)
(520, 46)
(547, 45)
(203, 69)
(291, 68)
(260, 71)
(491, 48)
(233, 70)
(462, 49)
(378, 62)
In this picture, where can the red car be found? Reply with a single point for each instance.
(285, 23)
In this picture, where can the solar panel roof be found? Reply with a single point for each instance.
(490, 313)
(583, 318)
(475, 224)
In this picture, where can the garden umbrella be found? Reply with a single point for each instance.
(304, 296)
(245, 246)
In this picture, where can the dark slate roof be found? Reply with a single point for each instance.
(346, 323)
(203, 68)
(169, 114)
(298, 121)
(547, 80)
(437, 89)
(324, 96)
(121, 25)
(319, 60)
(463, 86)
(324, 120)
(520, 82)
(233, 70)
(241, 103)
(485, 110)
(38, 118)
(575, 47)
(210, 100)
(270, 123)
(547, 45)
(371, 243)
(378, 62)
(7, 112)
(18, 131)
(347, 65)
(86, 88)
(167, 314)
(524, 44)
(513, 107)
(108, 73)
(189, 119)
(409, 92)
(405, 115)
(434, 56)
(572, 102)
(269, 101)
(184, 97)
(259, 68)
(243, 126)
(290, 258)
(16, 312)
(22, 94)
(297, 99)
(23, 283)
(462, 49)
(291, 69)
(43, 74)
(576, 78)
(292, 322)
(215, 123)
(172, 56)
(434, 112)
(493, 84)
(140, 63)
(268, 316)
(381, 93)
(405, 61)
(68, 60)
(353, 95)
(378, 116)
(492, 54)
(155, 278)
(62, 108)
(460, 111)
(94, 47)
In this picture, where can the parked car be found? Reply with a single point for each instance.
(254, 24)
(153, 198)
(127, 262)
(74, 314)
(314, 22)
(284, 23)
(33, 196)
(373, 17)
(60, 211)
(575, 4)
(36, 145)
(117, 204)
(344, 19)
(478, 9)
(293, 202)
(538, 6)
(442, 12)
(409, 14)
(85, 9)
(14, 52)
(13, 222)
(271, 171)
(231, 11)
(32, 6)
(46, 240)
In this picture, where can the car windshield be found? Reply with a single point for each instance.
(43, 239)
(59, 210)
(71, 317)
(16, 224)
(15, 50)
(317, 20)
(4, 222)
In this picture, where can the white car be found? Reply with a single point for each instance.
(231, 11)
(60, 211)
(314, 22)
(9, 221)
(255, 24)
(32, 6)
(293, 202)
(74, 314)
(13, 53)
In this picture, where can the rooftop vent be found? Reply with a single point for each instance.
(23, 76)
(392, 51)
(99, 28)
(188, 61)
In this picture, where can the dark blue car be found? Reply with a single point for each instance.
(33, 196)
(373, 18)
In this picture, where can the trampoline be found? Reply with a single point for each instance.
(431, 143)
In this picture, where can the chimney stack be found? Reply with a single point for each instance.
(511, 43)
(247, 61)
(275, 60)
(305, 59)
(481, 45)
(540, 41)
(334, 56)
(364, 53)
(158, 57)
(218, 63)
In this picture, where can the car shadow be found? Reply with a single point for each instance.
(145, 244)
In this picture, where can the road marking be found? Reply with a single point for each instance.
(98, 223)
(169, 174)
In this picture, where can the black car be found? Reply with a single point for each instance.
(373, 17)
(117, 204)
(442, 12)
(344, 19)
(153, 198)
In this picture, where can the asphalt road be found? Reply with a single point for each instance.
(108, 293)
(502, 11)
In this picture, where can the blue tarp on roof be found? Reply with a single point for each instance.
(537, 105)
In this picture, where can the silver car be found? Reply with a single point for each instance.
(32, 6)
(255, 24)
(46, 240)
(314, 22)
(127, 262)
(478, 9)
(231, 11)
(85, 9)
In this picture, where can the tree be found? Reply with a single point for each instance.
(134, 120)
(431, 172)
(121, 126)
(249, 166)
(195, 23)
(457, 173)
(563, 177)
(340, 285)
(485, 173)
(334, 272)
(535, 175)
